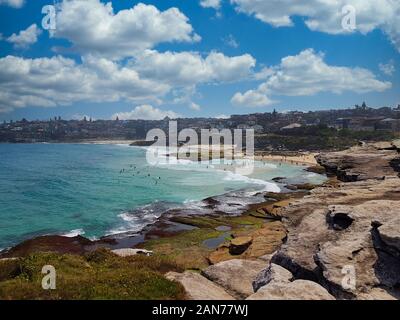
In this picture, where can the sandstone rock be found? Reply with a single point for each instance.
(297, 254)
(271, 212)
(266, 240)
(239, 245)
(396, 144)
(356, 247)
(199, 288)
(273, 273)
(235, 276)
(301, 186)
(390, 233)
(267, 258)
(316, 169)
(376, 294)
(296, 290)
(350, 224)
(220, 254)
(127, 252)
(384, 145)
(359, 163)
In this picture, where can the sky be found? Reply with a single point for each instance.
(195, 58)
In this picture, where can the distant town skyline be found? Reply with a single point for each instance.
(200, 58)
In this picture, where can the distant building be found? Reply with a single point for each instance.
(291, 126)
(257, 128)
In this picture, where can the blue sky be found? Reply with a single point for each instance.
(136, 70)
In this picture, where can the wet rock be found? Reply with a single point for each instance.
(296, 290)
(278, 179)
(316, 169)
(239, 245)
(235, 276)
(199, 288)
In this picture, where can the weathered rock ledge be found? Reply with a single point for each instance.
(347, 238)
(343, 238)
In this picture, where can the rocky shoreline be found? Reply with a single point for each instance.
(343, 239)
(340, 240)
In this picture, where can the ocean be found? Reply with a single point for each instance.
(96, 190)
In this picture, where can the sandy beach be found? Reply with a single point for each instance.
(128, 142)
(299, 159)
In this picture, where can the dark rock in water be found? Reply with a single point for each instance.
(211, 201)
(278, 179)
(316, 169)
(301, 186)
(142, 143)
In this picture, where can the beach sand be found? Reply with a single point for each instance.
(299, 159)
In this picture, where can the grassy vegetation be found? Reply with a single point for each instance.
(99, 275)
(319, 138)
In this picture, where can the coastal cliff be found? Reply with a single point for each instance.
(343, 238)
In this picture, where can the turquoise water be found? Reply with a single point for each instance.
(80, 189)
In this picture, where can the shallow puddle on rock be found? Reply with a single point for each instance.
(223, 228)
(213, 243)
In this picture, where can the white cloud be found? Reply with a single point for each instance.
(49, 82)
(215, 4)
(231, 41)
(307, 74)
(326, 15)
(251, 98)
(93, 27)
(145, 112)
(190, 68)
(388, 68)
(13, 3)
(194, 106)
(25, 38)
(263, 74)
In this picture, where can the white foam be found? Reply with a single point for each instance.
(269, 186)
(74, 233)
